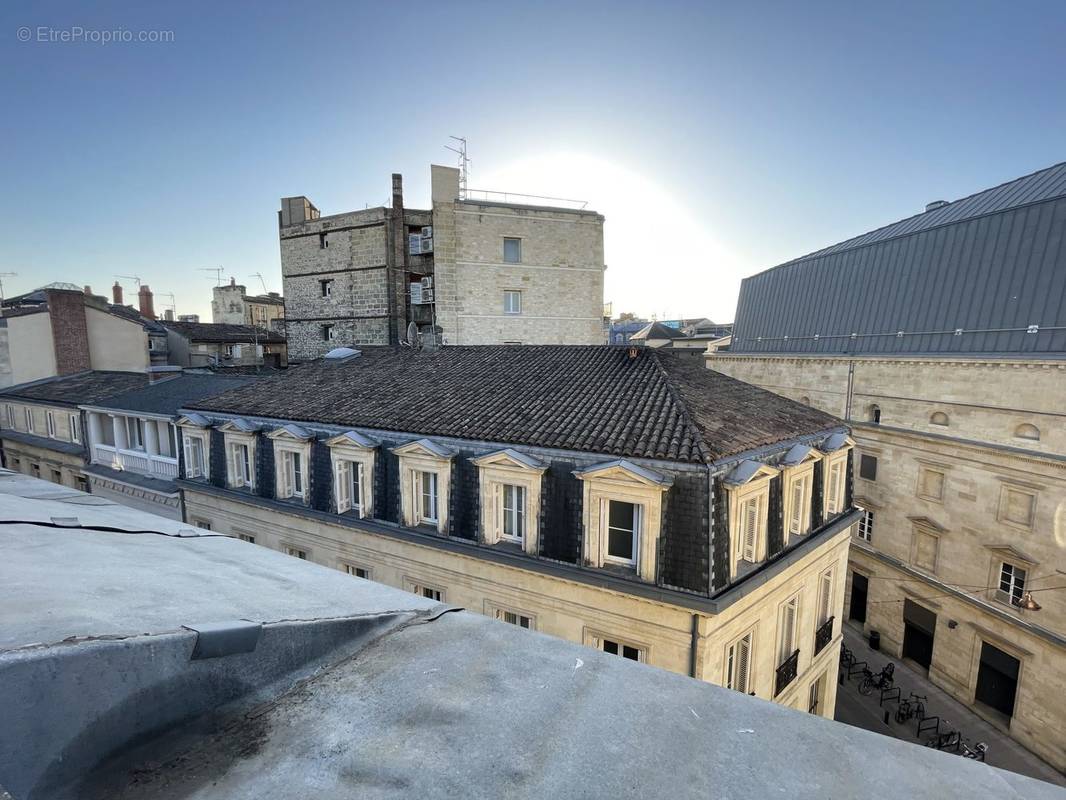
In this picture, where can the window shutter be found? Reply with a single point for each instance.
(286, 474)
(826, 595)
(497, 512)
(357, 499)
(192, 469)
(834, 488)
(743, 653)
(344, 500)
(751, 527)
(788, 629)
(795, 524)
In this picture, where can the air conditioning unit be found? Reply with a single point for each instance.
(427, 244)
(416, 294)
(414, 244)
(427, 295)
(427, 282)
(427, 232)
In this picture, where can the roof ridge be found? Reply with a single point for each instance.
(682, 408)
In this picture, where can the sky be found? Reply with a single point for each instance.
(718, 139)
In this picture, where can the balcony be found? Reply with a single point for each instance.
(786, 673)
(135, 461)
(823, 635)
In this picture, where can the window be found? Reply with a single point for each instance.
(873, 414)
(814, 696)
(512, 251)
(738, 663)
(327, 333)
(623, 530)
(50, 423)
(323, 242)
(939, 418)
(348, 486)
(834, 493)
(16, 463)
(751, 527)
(241, 471)
(1027, 431)
(11, 417)
(799, 510)
(296, 552)
(29, 420)
(621, 649)
(80, 483)
(1011, 583)
(512, 302)
(514, 618)
(514, 512)
(75, 429)
(195, 464)
(357, 572)
(246, 537)
(203, 524)
(426, 492)
(425, 590)
(57, 476)
(865, 530)
(326, 287)
(229, 351)
(805, 400)
(825, 597)
(787, 629)
(1017, 506)
(134, 437)
(292, 475)
(868, 467)
(931, 484)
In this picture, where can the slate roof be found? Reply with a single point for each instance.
(589, 398)
(987, 266)
(221, 332)
(656, 330)
(168, 395)
(73, 390)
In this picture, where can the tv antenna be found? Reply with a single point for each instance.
(262, 280)
(217, 270)
(2, 276)
(464, 162)
(172, 305)
(130, 278)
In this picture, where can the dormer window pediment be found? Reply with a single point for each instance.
(626, 472)
(292, 432)
(426, 448)
(510, 458)
(352, 439)
(194, 420)
(748, 472)
(239, 425)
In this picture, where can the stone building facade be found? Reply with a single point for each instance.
(362, 278)
(633, 539)
(232, 305)
(955, 400)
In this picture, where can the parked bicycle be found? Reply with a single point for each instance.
(882, 680)
(977, 752)
(945, 740)
(914, 706)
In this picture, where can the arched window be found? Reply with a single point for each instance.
(1027, 431)
(939, 418)
(805, 400)
(873, 414)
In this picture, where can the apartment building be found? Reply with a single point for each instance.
(626, 499)
(941, 340)
(200, 344)
(464, 271)
(232, 305)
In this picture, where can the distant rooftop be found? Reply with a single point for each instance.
(590, 398)
(223, 332)
(985, 274)
(83, 387)
(166, 396)
(141, 658)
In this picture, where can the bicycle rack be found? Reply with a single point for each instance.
(856, 668)
(889, 694)
(924, 725)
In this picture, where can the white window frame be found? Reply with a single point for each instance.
(427, 487)
(597, 641)
(296, 551)
(288, 445)
(75, 428)
(510, 615)
(865, 527)
(798, 490)
(352, 457)
(50, 423)
(513, 511)
(350, 569)
(28, 413)
(605, 515)
(518, 241)
(425, 590)
(240, 461)
(748, 543)
(1014, 582)
(292, 474)
(198, 441)
(627, 483)
(416, 458)
(835, 483)
(512, 302)
(825, 597)
(509, 468)
(738, 666)
(134, 426)
(788, 622)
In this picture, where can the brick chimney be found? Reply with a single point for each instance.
(70, 332)
(116, 293)
(144, 299)
(88, 290)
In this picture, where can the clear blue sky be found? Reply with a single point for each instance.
(718, 138)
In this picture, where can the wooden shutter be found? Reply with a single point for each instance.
(743, 663)
(795, 521)
(357, 498)
(192, 466)
(788, 629)
(750, 520)
(825, 597)
(834, 488)
(286, 474)
(343, 479)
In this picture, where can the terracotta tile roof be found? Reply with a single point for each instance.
(595, 399)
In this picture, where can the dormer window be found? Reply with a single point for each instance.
(510, 484)
(239, 437)
(622, 516)
(196, 444)
(797, 469)
(352, 455)
(835, 451)
(748, 488)
(425, 481)
(292, 455)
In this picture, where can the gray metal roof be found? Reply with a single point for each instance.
(971, 277)
(349, 689)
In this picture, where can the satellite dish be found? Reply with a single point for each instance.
(412, 334)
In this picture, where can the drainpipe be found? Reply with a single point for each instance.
(694, 652)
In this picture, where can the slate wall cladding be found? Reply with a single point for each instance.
(387, 483)
(775, 533)
(264, 457)
(218, 458)
(849, 480)
(321, 477)
(816, 498)
(720, 537)
(561, 523)
(464, 519)
(684, 548)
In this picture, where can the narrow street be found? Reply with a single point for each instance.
(865, 712)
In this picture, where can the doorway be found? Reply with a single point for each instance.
(997, 679)
(860, 587)
(919, 628)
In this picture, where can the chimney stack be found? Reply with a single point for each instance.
(168, 315)
(232, 281)
(144, 299)
(88, 290)
(116, 293)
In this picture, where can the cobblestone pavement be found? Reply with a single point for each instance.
(865, 712)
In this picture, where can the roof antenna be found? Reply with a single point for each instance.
(412, 340)
(464, 163)
(130, 278)
(217, 270)
(262, 280)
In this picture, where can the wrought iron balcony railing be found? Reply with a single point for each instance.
(786, 673)
(823, 635)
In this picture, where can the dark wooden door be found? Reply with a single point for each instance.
(860, 586)
(997, 679)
